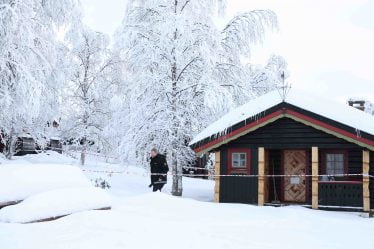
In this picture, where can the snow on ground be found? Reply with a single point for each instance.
(141, 219)
(19, 180)
(55, 203)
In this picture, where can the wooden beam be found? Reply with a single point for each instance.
(315, 177)
(365, 180)
(217, 167)
(261, 172)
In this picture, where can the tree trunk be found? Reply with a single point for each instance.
(177, 174)
(83, 157)
(9, 145)
(177, 188)
(176, 169)
(83, 152)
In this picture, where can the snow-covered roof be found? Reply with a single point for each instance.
(327, 108)
(25, 135)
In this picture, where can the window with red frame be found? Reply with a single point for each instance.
(239, 161)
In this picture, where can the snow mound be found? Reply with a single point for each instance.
(56, 203)
(341, 113)
(51, 157)
(19, 181)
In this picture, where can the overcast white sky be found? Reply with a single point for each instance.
(328, 44)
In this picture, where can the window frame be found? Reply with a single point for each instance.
(239, 170)
(345, 163)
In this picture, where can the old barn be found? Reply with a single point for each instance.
(293, 149)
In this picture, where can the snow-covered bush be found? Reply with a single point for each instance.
(102, 183)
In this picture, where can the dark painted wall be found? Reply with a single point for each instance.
(238, 189)
(284, 133)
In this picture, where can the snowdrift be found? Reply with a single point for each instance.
(19, 181)
(54, 204)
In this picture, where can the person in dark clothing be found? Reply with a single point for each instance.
(159, 169)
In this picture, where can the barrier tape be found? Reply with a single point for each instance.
(195, 175)
(221, 175)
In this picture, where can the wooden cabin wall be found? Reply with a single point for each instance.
(238, 189)
(286, 133)
(355, 163)
(282, 134)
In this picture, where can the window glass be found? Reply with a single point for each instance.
(334, 163)
(239, 160)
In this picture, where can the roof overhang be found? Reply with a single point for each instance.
(284, 112)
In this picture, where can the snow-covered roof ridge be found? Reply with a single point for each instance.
(327, 108)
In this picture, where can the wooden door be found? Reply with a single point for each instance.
(294, 186)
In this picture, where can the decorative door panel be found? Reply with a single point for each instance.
(294, 163)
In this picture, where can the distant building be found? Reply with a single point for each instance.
(362, 104)
(25, 144)
(54, 143)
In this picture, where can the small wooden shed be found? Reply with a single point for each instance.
(298, 149)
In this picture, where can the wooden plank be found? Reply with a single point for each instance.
(315, 177)
(217, 178)
(365, 181)
(266, 179)
(261, 172)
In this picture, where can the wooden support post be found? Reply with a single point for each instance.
(217, 167)
(261, 172)
(315, 177)
(365, 180)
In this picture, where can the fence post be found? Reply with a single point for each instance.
(217, 167)
(365, 181)
(261, 172)
(315, 177)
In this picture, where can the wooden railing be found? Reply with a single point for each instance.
(340, 193)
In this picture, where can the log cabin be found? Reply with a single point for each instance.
(293, 149)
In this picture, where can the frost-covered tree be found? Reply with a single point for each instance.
(88, 92)
(369, 107)
(261, 79)
(180, 71)
(29, 55)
